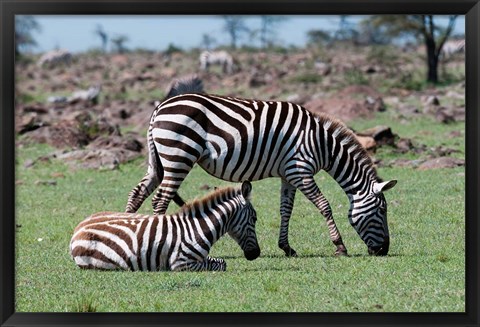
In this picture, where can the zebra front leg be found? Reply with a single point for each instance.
(209, 264)
(287, 197)
(310, 189)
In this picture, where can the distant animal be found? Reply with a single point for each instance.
(248, 140)
(222, 58)
(55, 58)
(91, 94)
(452, 47)
(180, 241)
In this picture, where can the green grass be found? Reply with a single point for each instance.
(424, 271)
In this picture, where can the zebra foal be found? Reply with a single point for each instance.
(248, 140)
(181, 241)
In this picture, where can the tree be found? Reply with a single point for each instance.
(346, 30)
(268, 29)
(208, 41)
(318, 37)
(424, 26)
(103, 36)
(24, 27)
(370, 34)
(118, 42)
(235, 26)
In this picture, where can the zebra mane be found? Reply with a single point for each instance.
(221, 193)
(346, 133)
(183, 85)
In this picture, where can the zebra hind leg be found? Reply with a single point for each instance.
(163, 197)
(287, 197)
(139, 193)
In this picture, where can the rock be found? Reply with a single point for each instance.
(358, 90)
(46, 182)
(323, 68)
(381, 134)
(93, 159)
(443, 116)
(29, 163)
(36, 108)
(258, 78)
(57, 175)
(116, 141)
(60, 135)
(432, 100)
(376, 104)
(29, 123)
(404, 145)
(442, 162)
(367, 142)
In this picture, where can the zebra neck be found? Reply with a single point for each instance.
(348, 163)
(212, 219)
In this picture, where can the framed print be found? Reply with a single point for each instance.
(135, 135)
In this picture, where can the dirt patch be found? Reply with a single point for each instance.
(441, 162)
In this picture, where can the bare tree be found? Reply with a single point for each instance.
(24, 27)
(208, 41)
(423, 26)
(346, 30)
(235, 27)
(268, 27)
(118, 42)
(103, 36)
(319, 37)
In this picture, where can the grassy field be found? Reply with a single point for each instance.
(424, 271)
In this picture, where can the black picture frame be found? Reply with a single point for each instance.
(10, 8)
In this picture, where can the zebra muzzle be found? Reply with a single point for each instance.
(252, 254)
(381, 250)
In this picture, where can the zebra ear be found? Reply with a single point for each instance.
(246, 190)
(382, 187)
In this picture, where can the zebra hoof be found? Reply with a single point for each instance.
(341, 253)
(290, 253)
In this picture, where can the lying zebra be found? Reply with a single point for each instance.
(181, 241)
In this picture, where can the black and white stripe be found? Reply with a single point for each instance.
(239, 140)
(181, 241)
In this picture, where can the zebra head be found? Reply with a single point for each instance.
(368, 215)
(241, 226)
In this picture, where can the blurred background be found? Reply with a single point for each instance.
(87, 79)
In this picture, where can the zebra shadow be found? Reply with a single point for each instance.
(312, 255)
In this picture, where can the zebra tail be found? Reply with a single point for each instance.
(189, 84)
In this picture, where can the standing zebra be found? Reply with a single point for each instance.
(222, 58)
(54, 58)
(181, 241)
(452, 47)
(239, 139)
